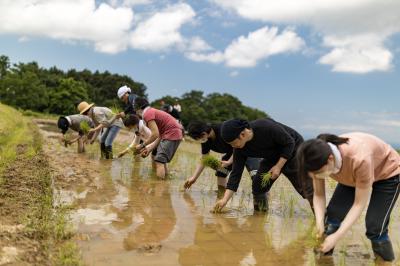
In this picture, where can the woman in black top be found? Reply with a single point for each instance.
(210, 138)
(276, 144)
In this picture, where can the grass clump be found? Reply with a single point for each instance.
(84, 125)
(265, 179)
(116, 109)
(212, 162)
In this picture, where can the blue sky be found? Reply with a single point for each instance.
(316, 67)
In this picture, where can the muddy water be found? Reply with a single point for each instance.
(125, 216)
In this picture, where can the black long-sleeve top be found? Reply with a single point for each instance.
(271, 140)
(130, 106)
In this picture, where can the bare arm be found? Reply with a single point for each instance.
(277, 168)
(221, 203)
(319, 200)
(199, 169)
(154, 132)
(361, 199)
(362, 196)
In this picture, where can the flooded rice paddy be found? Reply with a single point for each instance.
(123, 215)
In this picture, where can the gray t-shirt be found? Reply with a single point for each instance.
(76, 120)
(103, 115)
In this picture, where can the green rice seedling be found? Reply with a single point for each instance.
(266, 178)
(84, 125)
(211, 161)
(116, 109)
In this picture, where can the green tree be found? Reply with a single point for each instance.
(4, 65)
(213, 108)
(21, 87)
(64, 98)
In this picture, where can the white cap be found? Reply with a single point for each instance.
(121, 91)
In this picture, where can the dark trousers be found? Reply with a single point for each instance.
(304, 188)
(252, 164)
(383, 198)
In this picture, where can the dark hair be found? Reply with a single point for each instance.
(195, 129)
(141, 103)
(165, 107)
(314, 153)
(63, 124)
(131, 120)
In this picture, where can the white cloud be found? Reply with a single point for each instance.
(341, 22)
(110, 26)
(357, 54)
(247, 51)
(76, 20)
(197, 44)
(161, 30)
(136, 2)
(216, 57)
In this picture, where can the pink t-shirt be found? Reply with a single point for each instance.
(168, 127)
(366, 159)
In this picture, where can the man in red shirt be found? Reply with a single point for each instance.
(164, 129)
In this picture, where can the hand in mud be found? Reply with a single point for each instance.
(225, 163)
(122, 153)
(139, 148)
(275, 172)
(329, 243)
(145, 152)
(189, 182)
(219, 205)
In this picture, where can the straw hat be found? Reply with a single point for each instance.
(84, 106)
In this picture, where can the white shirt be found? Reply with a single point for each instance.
(141, 133)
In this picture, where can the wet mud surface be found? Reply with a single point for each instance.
(124, 215)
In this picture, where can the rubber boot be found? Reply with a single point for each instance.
(330, 229)
(109, 152)
(260, 202)
(220, 192)
(383, 249)
(103, 150)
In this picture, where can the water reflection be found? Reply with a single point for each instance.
(239, 241)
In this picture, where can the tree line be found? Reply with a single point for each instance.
(28, 86)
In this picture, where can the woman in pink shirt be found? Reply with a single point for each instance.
(367, 170)
(166, 133)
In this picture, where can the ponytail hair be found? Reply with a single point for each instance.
(313, 154)
(336, 140)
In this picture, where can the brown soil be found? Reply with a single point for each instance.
(19, 198)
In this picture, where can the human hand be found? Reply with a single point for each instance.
(122, 153)
(275, 172)
(329, 243)
(189, 182)
(225, 164)
(144, 152)
(219, 205)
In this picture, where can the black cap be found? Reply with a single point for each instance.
(63, 124)
(140, 103)
(231, 129)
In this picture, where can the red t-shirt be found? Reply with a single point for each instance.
(168, 127)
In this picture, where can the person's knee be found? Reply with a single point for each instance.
(160, 170)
